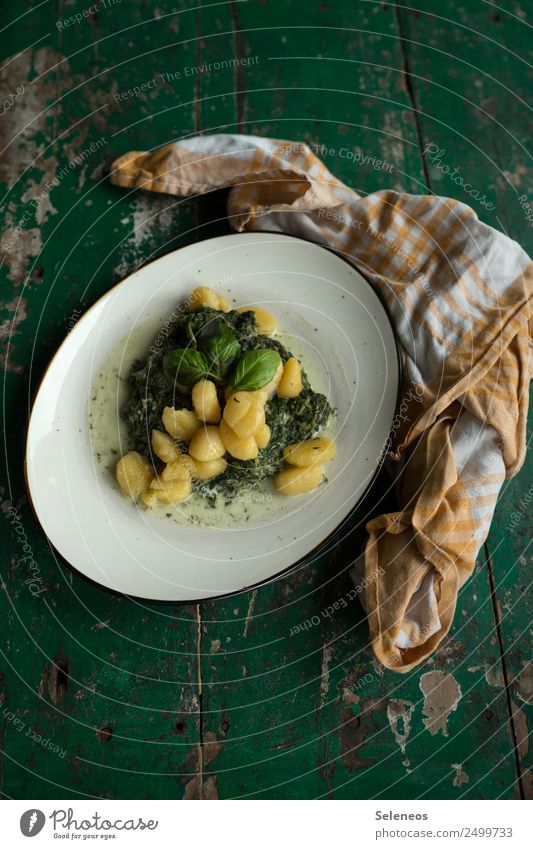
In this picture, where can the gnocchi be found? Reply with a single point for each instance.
(181, 424)
(167, 492)
(207, 469)
(164, 446)
(237, 406)
(205, 401)
(183, 468)
(134, 474)
(245, 414)
(207, 444)
(239, 447)
(203, 296)
(262, 437)
(290, 384)
(266, 323)
(223, 304)
(295, 480)
(312, 451)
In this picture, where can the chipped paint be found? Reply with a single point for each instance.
(200, 786)
(521, 729)
(494, 676)
(327, 652)
(19, 247)
(349, 698)
(460, 776)
(29, 115)
(8, 329)
(250, 613)
(525, 683)
(442, 694)
(399, 714)
(150, 219)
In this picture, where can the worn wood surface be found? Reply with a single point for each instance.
(221, 700)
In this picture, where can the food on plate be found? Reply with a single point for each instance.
(134, 473)
(290, 384)
(311, 451)
(220, 407)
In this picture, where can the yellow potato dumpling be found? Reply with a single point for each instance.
(266, 323)
(134, 474)
(251, 422)
(205, 401)
(164, 446)
(262, 437)
(237, 406)
(241, 449)
(223, 304)
(167, 492)
(149, 498)
(203, 296)
(210, 468)
(260, 395)
(312, 451)
(181, 424)
(207, 444)
(290, 384)
(295, 480)
(183, 468)
(272, 385)
(244, 413)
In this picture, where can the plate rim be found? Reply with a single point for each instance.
(287, 570)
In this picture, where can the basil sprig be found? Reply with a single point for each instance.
(184, 366)
(255, 369)
(219, 344)
(217, 350)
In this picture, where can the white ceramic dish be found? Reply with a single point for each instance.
(343, 332)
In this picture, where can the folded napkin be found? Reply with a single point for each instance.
(457, 291)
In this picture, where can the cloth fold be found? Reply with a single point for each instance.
(459, 294)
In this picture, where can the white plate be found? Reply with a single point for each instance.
(346, 339)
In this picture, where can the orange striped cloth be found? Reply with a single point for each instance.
(458, 293)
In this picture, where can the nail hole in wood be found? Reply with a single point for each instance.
(104, 733)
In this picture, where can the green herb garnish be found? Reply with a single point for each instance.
(255, 369)
(184, 366)
(220, 346)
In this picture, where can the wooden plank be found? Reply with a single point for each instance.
(111, 682)
(473, 59)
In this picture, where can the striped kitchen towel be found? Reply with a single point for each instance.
(459, 295)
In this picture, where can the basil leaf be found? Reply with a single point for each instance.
(219, 343)
(255, 369)
(184, 366)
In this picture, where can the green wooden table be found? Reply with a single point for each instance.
(104, 696)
